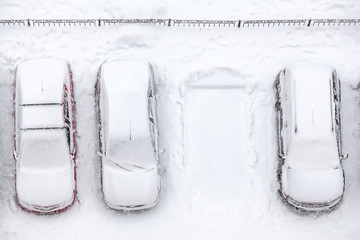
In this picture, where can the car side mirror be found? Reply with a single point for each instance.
(15, 155)
(99, 154)
(282, 158)
(344, 156)
(162, 151)
(74, 152)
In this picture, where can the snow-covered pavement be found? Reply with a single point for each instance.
(203, 196)
(216, 136)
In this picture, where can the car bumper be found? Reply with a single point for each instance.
(37, 209)
(310, 206)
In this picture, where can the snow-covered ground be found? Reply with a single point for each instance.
(219, 167)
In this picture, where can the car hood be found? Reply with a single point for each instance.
(45, 187)
(314, 186)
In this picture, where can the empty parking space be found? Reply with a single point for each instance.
(216, 137)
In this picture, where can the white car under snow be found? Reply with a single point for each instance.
(125, 100)
(44, 136)
(310, 172)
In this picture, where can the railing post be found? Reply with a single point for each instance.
(309, 22)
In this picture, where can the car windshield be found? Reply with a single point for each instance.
(138, 152)
(44, 149)
(42, 116)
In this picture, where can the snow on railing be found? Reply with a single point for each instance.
(177, 22)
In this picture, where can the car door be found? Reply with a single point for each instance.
(152, 113)
(283, 106)
(67, 119)
(336, 92)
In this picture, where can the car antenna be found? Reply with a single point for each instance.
(130, 129)
(42, 88)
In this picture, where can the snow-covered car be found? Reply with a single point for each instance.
(310, 171)
(44, 138)
(126, 110)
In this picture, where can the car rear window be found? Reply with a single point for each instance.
(41, 116)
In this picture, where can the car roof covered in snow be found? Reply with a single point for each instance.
(41, 80)
(126, 85)
(313, 143)
(313, 108)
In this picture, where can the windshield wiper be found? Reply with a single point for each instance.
(39, 104)
(41, 128)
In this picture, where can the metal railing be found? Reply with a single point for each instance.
(178, 22)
